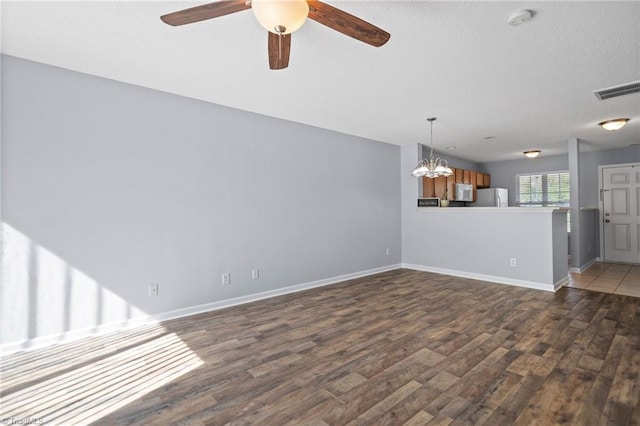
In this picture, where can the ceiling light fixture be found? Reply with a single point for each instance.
(614, 124)
(532, 153)
(520, 17)
(433, 167)
(280, 16)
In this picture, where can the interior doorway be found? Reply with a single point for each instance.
(620, 213)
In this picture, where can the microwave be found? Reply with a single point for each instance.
(464, 192)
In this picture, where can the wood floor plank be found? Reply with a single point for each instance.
(400, 347)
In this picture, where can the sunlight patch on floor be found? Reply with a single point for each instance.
(95, 389)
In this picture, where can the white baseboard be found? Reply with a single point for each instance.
(583, 267)
(557, 286)
(207, 307)
(43, 341)
(483, 277)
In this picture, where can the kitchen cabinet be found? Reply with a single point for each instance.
(458, 173)
(435, 187)
(451, 187)
(473, 178)
(440, 185)
(487, 180)
(483, 180)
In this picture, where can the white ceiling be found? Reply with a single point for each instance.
(529, 86)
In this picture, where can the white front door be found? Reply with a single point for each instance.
(621, 213)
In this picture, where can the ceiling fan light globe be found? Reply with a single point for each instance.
(280, 16)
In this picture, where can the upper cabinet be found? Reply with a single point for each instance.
(440, 186)
(487, 181)
(466, 177)
(436, 187)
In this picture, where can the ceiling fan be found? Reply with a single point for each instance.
(281, 18)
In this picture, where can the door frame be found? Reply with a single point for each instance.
(601, 202)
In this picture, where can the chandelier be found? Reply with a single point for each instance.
(433, 167)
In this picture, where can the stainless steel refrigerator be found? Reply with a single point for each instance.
(492, 197)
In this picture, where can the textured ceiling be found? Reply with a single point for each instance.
(528, 86)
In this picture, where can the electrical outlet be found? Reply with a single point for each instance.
(388, 251)
(255, 274)
(153, 289)
(226, 279)
(513, 262)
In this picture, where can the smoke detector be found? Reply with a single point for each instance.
(520, 17)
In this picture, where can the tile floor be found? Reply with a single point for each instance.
(614, 278)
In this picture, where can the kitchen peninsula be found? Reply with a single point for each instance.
(480, 242)
(510, 245)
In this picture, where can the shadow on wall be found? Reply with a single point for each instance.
(45, 299)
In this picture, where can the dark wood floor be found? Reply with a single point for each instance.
(402, 347)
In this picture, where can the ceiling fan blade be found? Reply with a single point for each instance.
(347, 24)
(279, 49)
(205, 11)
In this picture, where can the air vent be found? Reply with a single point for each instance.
(613, 92)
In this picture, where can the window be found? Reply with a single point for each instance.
(544, 189)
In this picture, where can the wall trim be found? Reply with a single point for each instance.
(43, 341)
(558, 285)
(227, 303)
(583, 267)
(490, 278)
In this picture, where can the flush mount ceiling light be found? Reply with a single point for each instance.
(520, 17)
(532, 153)
(433, 167)
(614, 124)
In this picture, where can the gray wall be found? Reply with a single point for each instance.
(453, 161)
(108, 187)
(503, 173)
(589, 162)
(589, 238)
